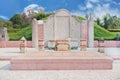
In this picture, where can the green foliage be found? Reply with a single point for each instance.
(114, 30)
(26, 32)
(42, 16)
(101, 32)
(106, 21)
(80, 18)
(8, 24)
(1, 19)
(114, 23)
(98, 21)
(1, 23)
(16, 32)
(109, 22)
(17, 21)
(18, 26)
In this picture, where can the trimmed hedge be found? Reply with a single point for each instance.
(101, 32)
(114, 30)
(26, 32)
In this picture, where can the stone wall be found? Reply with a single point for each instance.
(109, 44)
(84, 30)
(49, 29)
(13, 44)
(90, 24)
(40, 32)
(61, 26)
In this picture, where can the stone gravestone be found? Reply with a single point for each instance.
(60, 26)
(3, 34)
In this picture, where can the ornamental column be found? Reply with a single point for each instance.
(90, 32)
(34, 33)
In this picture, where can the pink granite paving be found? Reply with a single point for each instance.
(63, 60)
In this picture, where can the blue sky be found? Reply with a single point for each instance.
(78, 7)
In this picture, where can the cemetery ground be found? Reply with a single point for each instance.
(31, 33)
(7, 74)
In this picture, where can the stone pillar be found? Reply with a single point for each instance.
(90, 32)
(54, 27)
(34, 33)
(101, 45)
(23, 45)
(84, 32)
(40, 35)
(83, 45)
(40, 30)
(6, 34)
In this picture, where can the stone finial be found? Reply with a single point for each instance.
(23, 45)
(34, 20)
(101, 38)
(23, 39)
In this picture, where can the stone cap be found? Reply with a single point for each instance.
(40, 21)
(23, 39)
(101, 39)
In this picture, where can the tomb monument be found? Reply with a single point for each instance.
(62, 26)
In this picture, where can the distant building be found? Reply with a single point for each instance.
(3, 34)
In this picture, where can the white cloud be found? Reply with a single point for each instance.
(116, 3)
(94, 1)
(98, 9)
(89, 5)
(4, 17)
(81, 7)
(101, 10)
(34, 7)
(78, 13)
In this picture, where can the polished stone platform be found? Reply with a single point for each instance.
(62, 60)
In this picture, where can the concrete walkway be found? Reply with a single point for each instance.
(6, 74)
(113, 52)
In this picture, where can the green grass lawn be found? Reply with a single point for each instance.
(101, 32)
(26, 32)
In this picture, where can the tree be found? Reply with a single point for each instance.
(1, 23)
(109, 22)
(114, 22)
(42, 16)
(16, 26)
(17, 20)
(8, 23)
(106, 21)
(98, 21)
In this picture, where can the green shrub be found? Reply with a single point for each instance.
(101, 32)
(26, 32)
